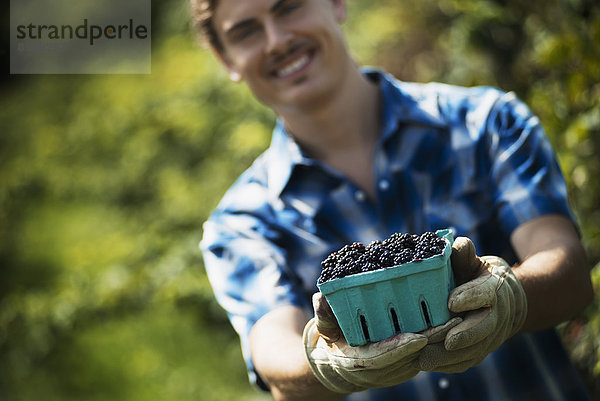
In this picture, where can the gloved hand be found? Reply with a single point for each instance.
(494, 306)
(345, 369)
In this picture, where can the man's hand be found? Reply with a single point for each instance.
(494, 307)
(344, 369)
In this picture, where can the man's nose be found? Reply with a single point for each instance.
(278, 37)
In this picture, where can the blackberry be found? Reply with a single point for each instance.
(397, 242)
(349, 258)
(403, 256)
(330, 261)
(358, 247)
(422, 254)
(395, 250)
(373, 245)
(326, 274)
(365, 264)
(429, 237)
(349, 264)
(369, 267)
(337, 272)
(353, 251)
(385, 258)
(432, 240)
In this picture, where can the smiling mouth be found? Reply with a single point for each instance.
(295, 66)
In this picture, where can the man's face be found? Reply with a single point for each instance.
(291, 53)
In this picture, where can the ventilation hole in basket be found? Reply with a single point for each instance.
(395, 320)
(426, 314)
(365, 329)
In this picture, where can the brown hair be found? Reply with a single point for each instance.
(202, 22)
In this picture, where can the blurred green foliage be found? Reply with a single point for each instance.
(106, 180)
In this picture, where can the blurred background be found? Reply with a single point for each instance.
(105, 181)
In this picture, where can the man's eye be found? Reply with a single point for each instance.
(244, 33)
(289, 7)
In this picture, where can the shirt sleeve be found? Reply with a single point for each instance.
(247, 271)
(525, 174)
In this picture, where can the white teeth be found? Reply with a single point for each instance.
(295, 66)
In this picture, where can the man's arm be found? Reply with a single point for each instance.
(280, 359)
(554, 271)
(551, 285)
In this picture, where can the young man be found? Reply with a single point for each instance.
(357, 156)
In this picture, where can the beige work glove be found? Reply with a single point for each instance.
(345, 369)
(493, 307)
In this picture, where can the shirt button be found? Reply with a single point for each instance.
(384, 185)
(359, 196)
(443, 383)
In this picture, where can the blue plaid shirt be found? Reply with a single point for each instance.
(473, 159)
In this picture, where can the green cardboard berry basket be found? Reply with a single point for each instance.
(408, 298)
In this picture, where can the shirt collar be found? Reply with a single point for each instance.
(402, 102)
(283, 155)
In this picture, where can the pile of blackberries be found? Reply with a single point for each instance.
(396, 250)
